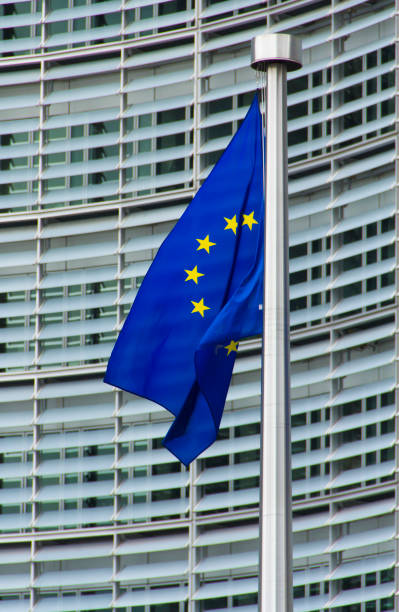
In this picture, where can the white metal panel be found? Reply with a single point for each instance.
(151, 597)
(308, 261)
(73, 388)
(363, 511)
(163, 180)
(19, 496)
(72, 119)
(82, 93)
(161, 21)
(77, 328)
(367, 335)
(17, 283)
(15, 444)
(15, 522)
(364, 363)
(148, 217)
(77, 413)
(158, 56)
(143, 243)
(360, 246)
(307, 604)
(354, 596)
(110, 188)
(309, 287)
(366, 217)
(154, 483)
(363, 300)
(75, 438)
(76, 464)
(231, 446)
(86, 167)
(228, 500)
(221, 42)
(152, 457)
(152, 570)
(368, 163)
(309, 403)
(220, 536)
(366, 190)
(309, 549)
(15, 555)
(228, 472)
(17, 606)
(73, 577)
(233, 418)
(83, 35)
(74, 603)
(143, 432)
(363, 446)
(309, 376)
(310, 575)
(363, 272)
(312, 458)
(313, 430)
(17, 359)
(157, 80)
(155, 509)
(362, 50)
(14, 582)
(363, 566)
(78, 277)
(109, 6)
(154, 543)
(233, 587)
(143, 108)
(15, 259)
(79, 353)
(307, 235)
(53, 519)
(362, 22)
(86, 550)
(227, 5)
(16, 334)
(77, 491)
(354, 476)
(362, 419)
(363, 129)
(165, 129)
(309, 485)
(68, 71)
(309, 350)
(227, 562)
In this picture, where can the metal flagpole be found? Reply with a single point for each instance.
(273, 55)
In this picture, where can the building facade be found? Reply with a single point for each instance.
(111, 115)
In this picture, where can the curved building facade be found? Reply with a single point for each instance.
(111, 115)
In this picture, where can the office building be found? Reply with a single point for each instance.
(111, 115)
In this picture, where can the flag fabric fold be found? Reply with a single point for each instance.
(201, 295)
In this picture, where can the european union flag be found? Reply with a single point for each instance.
(201, 295)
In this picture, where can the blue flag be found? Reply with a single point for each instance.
(201, 295)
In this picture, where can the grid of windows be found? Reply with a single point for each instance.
(119, 111)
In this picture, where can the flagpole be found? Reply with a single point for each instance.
(273, 55)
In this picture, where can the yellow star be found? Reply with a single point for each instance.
(231, 224)
(205, 243)
(193, 275)
(199, 307)
(233, 346)
(249, 220)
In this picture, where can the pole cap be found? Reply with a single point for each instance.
(272, 48)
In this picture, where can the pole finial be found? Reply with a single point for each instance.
(272, 48)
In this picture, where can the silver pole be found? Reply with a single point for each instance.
(274, 54)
